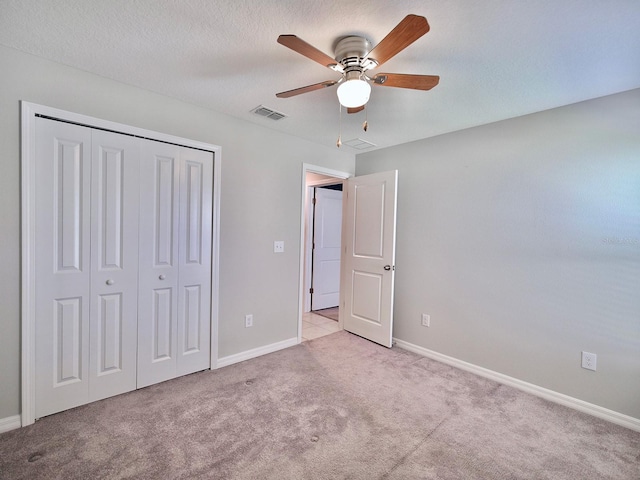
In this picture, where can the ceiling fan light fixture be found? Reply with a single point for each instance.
(354, 92)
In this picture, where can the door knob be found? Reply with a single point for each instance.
(162, 277)
(109, 282)
(387, 267)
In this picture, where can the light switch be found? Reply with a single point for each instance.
(278, 246)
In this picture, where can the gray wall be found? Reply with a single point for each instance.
(261, 198)
(521, 239)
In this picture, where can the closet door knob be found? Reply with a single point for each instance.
(109, 282)
(162, 277)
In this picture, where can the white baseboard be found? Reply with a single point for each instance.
(10, 423)
(256, 352)
(556, 397)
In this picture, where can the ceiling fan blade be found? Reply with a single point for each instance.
(400, 80)
(355, 109)
(308, 88)
(303, 48)
(411, 28)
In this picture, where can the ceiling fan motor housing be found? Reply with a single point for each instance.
(351, 53)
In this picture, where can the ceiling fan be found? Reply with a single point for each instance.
(354, 57)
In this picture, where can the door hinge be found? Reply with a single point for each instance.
(311, 290)
(313, 201)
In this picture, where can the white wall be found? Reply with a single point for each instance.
(261, 188)
(521, 239)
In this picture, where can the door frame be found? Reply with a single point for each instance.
(29, 111)
(304, 216)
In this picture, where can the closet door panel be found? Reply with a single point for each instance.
(162, 324)
(109, 322)
(67, 348)
(192, 313)
(62, 268)
(194, 301)
(114, 264)
(158, 262)
(165, 218)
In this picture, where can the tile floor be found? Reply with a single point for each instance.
(316, 326)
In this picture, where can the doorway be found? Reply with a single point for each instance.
(320, 267)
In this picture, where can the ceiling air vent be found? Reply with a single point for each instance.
(359, 144)
(267, 112)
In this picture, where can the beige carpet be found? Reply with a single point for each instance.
(338, 407)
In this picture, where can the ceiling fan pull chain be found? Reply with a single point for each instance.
(365, 125)
(339, 142)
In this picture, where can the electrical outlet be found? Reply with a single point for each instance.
(426, 320)
(589, 361)
(248, 321)
(278, 246)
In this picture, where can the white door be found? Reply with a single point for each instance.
(158, 254)
(86, 265)
(175, 263)
(114, 264)
(327, 228)
(194, 261)
(63, 265)
(370, 232)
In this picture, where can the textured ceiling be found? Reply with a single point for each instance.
(497, 59)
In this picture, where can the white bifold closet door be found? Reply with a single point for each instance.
(175, 262)
(123, 263)
(86, 265)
